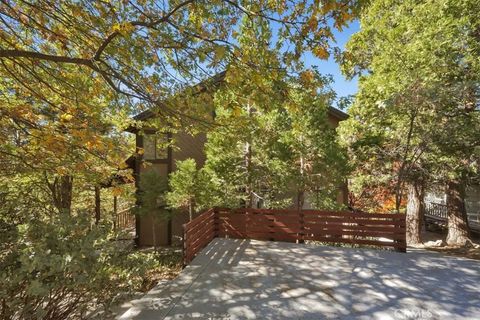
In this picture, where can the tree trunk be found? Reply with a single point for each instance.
(154, 234)
(190, 210)
(61, 191)
(301, 190)
(248, 167)
(300, 199)
(97, 204)
(415, 210)
(403, 167)
(458, 230)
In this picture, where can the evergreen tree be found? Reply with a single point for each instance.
(416, 114)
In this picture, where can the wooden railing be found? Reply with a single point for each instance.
(436, 210)
(124, 219)
(383, 230)
(437, 213)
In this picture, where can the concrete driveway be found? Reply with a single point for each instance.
(249, 279)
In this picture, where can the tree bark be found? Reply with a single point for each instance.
(301, 190)
(458, 230)
(61, 191)
(300, 199)
(248, 168)
(97, 205)
(154, 234)
(190, 210)
(415, 211)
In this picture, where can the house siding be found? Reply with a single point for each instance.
(185, 146)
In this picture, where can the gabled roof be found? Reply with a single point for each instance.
(337, 113)
(215, 80)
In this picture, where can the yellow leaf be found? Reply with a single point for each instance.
(122, 165)
(321, 52)
(117, 191)
(236, 111)
(219, 53)
(66, 117)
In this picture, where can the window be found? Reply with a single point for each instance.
(155, 146)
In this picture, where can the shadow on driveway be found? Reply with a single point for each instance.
(249, 279)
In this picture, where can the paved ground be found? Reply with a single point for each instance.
(248, 279)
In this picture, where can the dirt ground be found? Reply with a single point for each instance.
(472, 252)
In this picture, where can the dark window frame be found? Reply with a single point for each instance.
(167, 155)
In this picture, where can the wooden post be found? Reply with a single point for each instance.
(184, 246)
(215, 222)
(115, 213)
(97, 204)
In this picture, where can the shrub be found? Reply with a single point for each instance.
(62, 267)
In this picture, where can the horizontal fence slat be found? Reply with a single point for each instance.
(201, 225)
(362, 221)
(210, 229)
(204, 216)
(198, 233)
(321, 227)
(353, 241)
(391, 236)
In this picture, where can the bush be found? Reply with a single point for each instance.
(62, 267)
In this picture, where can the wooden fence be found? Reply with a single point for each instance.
(198, 233)
(384, 230)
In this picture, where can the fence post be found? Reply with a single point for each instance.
(115, 213)
(301, 235)
(248, 213)
(184, 246)
(215, 222)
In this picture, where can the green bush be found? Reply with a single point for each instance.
(62, 267)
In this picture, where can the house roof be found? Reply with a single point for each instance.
(216, 79)
(334, 112)
(337, 113)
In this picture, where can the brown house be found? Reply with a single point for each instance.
(163, 162)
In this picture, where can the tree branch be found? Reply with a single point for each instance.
(114, 34)
(42, 56)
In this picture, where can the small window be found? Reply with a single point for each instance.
(155, 146)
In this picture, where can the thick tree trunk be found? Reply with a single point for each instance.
(415, 210)
(97, 204)
(61, 190)
(458, 230)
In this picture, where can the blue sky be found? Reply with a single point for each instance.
(341, 86)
